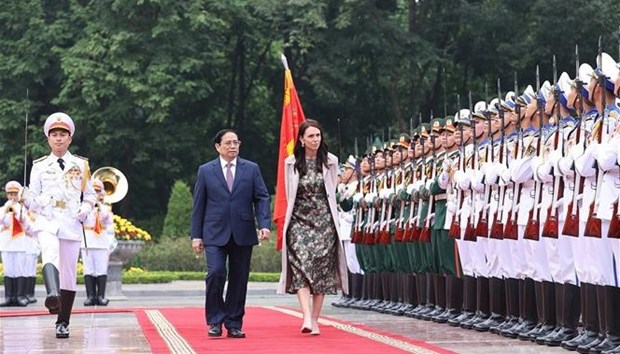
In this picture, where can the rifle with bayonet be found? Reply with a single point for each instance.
(614, 223)
(470, 230)
(593, 223)
(455, 226)
(425, 234)
(357, 236)
(551, 228)
(571, 223)
(532, 229)
(511, 229)
(482, 228)
(369, 231)
(497, 227)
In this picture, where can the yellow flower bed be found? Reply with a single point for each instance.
(125, 230)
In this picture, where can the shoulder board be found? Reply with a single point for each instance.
(614, 114)
(40, 159)
(81, 157)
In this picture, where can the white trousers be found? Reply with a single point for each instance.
(537, 267)
(95, 261)
(518, 263)
(31, 264)
(499, 259)
(63, 254)
(467, 263)
(14, 264)
(352, 263)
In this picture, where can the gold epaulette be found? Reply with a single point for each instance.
(40, 159)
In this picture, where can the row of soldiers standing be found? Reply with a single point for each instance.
(502, 218)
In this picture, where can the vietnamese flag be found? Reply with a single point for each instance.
(16, 227)
(292, 116)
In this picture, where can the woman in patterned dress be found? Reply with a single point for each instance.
(313, 262)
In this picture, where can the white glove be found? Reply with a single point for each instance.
(84, 211)
(451, 207)
(357, 197)
(23, 194)
(446, 165)
(543, 172)
(565, 164)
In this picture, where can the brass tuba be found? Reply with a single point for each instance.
(114, 183)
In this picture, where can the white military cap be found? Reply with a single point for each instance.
(608, 68)
(12, 187)
(59, 120)
(479, 108)
(463, 116)
(528, 96)
(509, 102)
(563, 85)
(350, 163)
(585, 74)
(493, 105)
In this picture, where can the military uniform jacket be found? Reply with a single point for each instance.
(11, 240)
(99, 228)
(55, 195)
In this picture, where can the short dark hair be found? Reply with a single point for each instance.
(218, 137)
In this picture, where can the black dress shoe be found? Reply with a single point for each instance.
(62, 330)
(215, 330)
(235, 333)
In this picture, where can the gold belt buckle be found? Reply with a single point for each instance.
(61, 204)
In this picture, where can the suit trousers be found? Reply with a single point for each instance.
(63, 254)
(228, 311)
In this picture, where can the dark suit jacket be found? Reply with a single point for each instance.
(218, 214)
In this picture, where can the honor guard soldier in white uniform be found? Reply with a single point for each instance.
(96, 248)
(62, 196)
(13, 245)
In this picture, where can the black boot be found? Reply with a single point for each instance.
(9, 292)
(532, 334)
(589, 316)
(101, 284)
(89, 283)
(468, 300)
(31, 282)
(482, 304)
(602, 325)
(612, 321)
(64, 315)
(527, 309)
(497, 302)
(512, 306)
(20, 292)
(569, 318)
(440, 296)
(52, 287)
(344, 298)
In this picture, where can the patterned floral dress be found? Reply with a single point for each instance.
(311, 237)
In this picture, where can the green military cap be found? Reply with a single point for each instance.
(404, 140)
(425, 130)
(438, 125)
(415, 133)
(449, 124)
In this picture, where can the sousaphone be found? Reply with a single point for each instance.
(115, 184)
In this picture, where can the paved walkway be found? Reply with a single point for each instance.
(120, 332)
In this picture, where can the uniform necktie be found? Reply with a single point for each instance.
(229, 176)
(61, 163)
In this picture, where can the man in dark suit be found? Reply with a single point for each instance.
(229, 198)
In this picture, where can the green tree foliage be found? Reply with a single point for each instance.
(149, 82)
(176, 224)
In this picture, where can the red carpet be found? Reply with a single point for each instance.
(269, 330)
(17, 313)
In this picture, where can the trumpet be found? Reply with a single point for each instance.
(115, 184)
